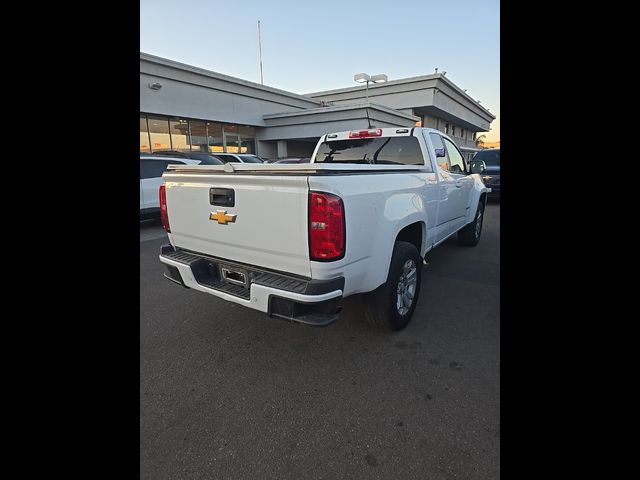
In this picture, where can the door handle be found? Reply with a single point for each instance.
(459, 183)
(222, 197)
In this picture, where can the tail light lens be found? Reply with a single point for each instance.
(163, 209)
(326, 227)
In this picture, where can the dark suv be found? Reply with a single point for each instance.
(491, 173)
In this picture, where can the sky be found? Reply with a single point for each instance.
(313, 46)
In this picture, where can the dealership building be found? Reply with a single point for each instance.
(187, 108)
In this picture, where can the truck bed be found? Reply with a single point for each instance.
(298, 169)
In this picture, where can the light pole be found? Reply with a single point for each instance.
(363, 77)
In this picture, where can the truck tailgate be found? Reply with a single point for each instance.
(270, 227)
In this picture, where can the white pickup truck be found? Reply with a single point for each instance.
(294, 240)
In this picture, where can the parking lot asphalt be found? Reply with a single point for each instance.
(227, 392)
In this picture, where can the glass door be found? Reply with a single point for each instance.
(247, 139)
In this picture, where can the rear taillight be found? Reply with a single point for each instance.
(163, 209)
(375, 132)
(326, 227)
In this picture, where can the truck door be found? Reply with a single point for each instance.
(447, 209)
(460, 195)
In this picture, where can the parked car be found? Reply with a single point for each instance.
(293, 160)
(204, 157)
(293, 243)
(240, 158)
(488, 163)
(151, 169)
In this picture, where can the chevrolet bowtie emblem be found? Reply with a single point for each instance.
(221, 217)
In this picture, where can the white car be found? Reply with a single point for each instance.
(239, 158)
(151, 169)
(294, 240)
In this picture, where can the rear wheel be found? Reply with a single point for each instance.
(470, 234)
(392, 304)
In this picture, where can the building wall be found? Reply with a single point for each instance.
(194, 101)
(189, 92)
(192, 92)
(391, 94)
(299, 149)
(443, 101)
(427, 94)
(327, 120)
(463, 136)
(430, 122)
(267, 149)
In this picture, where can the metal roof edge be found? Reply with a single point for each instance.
(339, 108)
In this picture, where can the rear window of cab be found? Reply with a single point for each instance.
(381, 150)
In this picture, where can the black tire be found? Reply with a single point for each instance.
(470, 235)
(381, 305)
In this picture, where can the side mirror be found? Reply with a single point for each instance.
(478, 166)
(440, 152)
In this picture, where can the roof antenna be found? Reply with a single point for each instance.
(436, 69)
(260, 48)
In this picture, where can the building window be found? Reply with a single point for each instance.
(247, 139)
(446, 128)
(474, 136)
(145, 144)
(159, 133)
(462, 133)
(214, 135)
(231, 139)
(184, 135)
(198, 131)
(179, 135)
(453, 130)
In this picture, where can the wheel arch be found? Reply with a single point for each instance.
(414, 233)
(478, 194)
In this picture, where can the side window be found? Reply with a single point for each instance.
(155, 168)
(455, 157)
(173, 162)
(443, 162)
